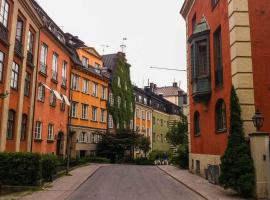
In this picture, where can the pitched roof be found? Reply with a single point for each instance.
(109, 61)
(168, 91)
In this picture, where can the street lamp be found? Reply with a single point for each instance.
(258, 120)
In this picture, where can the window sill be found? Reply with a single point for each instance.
(10, 139)
(38, 140)
(52, 106)
(196, 136)
(43, 74)
(103, 122)
(103, 99)
(64, 86)
(86, 93)
(54, 81)
(84, 119)
(15, 89)
(41, 101)
(221, 131)
(50, 141)
(95, 121)
(74, 117)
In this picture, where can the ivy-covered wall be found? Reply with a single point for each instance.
(121, 86)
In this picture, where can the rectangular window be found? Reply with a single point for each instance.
(52, 99)
(111, 100)
(138, 113)
(95, 90)
(27, 84)
(148, 116)
(38, 130)
(103, 92)
(41, 93)
(94, 114)
(74, 82)
(30, 47)
(2, 56)
(103, 116)
(85, 86)
(143, 114)
(4, 12)
(84, 111)
(11, 124)
(23, 127)
(50, 132)
(19, 30)
(218, 58)
(14, 76)
(54, 66)
(63, 105)
(85, 62)
(73, 109)
(110, 122)
(64, 74)
(202, 66)
(43, 58)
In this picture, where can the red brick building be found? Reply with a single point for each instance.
(19, 33)
(226, 45)
(52, 89)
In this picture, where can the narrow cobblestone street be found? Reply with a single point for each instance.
(127, 182)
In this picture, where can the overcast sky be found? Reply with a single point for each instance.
(154, 29)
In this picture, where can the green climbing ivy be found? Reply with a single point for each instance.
(123, 114)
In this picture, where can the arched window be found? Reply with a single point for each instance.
(221, 121)
(11, 124)
(197, 129)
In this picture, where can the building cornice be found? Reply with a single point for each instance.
(186, 8)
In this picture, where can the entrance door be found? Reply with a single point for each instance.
(60, 144)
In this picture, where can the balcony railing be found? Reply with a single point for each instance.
(3, 33)
(43, 68)
(54, 75)
(18, 47)
(201, 89)
(30, 57)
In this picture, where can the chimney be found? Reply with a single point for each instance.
(175, 84)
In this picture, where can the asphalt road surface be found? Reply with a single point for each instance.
(128, 182)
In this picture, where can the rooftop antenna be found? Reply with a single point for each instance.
(104, 46)
(123, 46)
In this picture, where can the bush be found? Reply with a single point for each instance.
(154, 154)
(49, 165)
(20, 168)
(98, 160)
(143, 161)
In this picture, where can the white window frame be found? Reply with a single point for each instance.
(95, 89)
(4, 13)
(85, 111)
(103, 115)
(38, 130)
(50, 132)
(94, 113)
(75, 82)
(103, 92)
(73, 109)
(85, 86)
(41, 93)
(110, 122)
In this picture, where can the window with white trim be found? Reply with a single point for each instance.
(50, 132)
(85, 62)
(103, 92)
(94, 114)
(4, 13)
(2, 56)
(110, 122)
(85, 86)
(73, 110)
(111, 100)
(95, 90)
(74, 82)
(41, 93)
(55, 66)
(38, 130)
(14, 76)
(64, 73)
(52, 99)
(103, 115)
(85, 111)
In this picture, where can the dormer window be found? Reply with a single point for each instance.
(200, 62)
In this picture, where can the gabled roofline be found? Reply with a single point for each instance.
(96, 54)
(186, 8)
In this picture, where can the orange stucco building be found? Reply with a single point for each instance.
(89, 92)
(52, 90)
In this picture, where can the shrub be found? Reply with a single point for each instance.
(49, 165)
(98, 160)
(143, 161)
(154, 154)
(20, 168)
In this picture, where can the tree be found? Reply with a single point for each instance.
(178, 137)
(237, 170)
(144, 143)
(178, 133)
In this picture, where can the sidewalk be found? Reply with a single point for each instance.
(198, 184)
(62, 187)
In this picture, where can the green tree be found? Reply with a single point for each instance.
(178, 132)
(237, 170)
(144, 143)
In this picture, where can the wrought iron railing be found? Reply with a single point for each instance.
(18, 47)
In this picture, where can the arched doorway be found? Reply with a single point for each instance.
(60, 144)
